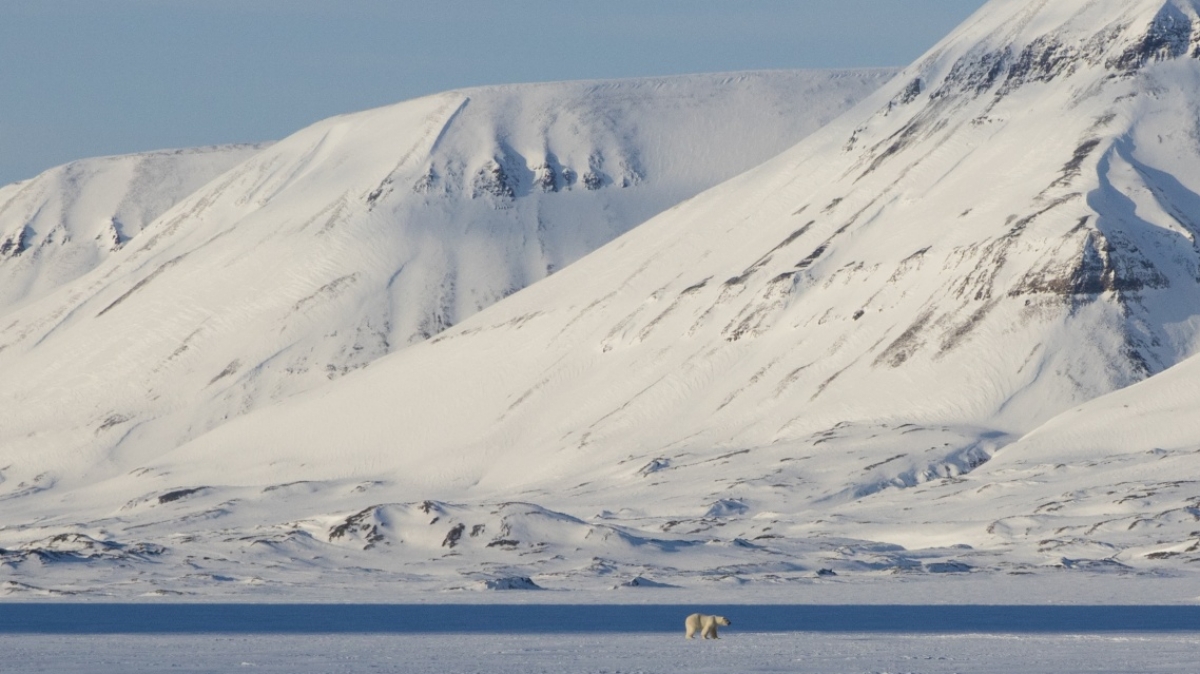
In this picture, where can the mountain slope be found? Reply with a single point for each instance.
(784, 374)
(58, 226)
(362, 234)
(925, 235)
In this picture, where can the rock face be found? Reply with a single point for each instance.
(831, 362)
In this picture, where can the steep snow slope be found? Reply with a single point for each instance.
(58, 226)
(360, 235)
(784, 374)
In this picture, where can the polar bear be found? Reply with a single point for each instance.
(706, 625)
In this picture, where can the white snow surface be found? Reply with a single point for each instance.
(948, 335)
(525, 654)
(61, 224)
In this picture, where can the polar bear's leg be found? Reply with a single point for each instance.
(692, 625)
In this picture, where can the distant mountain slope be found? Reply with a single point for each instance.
(362, 234)
(775, 376)
(58, 226)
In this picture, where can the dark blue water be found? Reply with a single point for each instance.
(23, 618)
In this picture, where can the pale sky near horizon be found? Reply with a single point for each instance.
(84, 78)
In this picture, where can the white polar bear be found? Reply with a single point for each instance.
(706, 625)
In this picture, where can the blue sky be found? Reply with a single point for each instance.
(91, 77)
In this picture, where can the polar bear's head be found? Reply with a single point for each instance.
(721, 620)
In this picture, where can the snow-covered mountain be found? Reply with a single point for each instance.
(356, 237)
(58, 226)
(864, 356)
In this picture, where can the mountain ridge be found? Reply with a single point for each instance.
(62, 223)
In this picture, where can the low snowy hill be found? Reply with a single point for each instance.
(58, 226)
(1108, 485)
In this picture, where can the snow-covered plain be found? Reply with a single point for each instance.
(806, 653)
(441, 638)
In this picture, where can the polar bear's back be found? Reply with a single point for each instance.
(704, 625)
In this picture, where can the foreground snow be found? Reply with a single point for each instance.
(533, 654)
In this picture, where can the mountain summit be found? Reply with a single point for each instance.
(777, 375)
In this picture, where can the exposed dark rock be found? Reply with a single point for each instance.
(958, 333)
(15, 245)
(593, 180)
(1100, 267)
(595, 177)
(654, 466)
(1093, 564)
(948, 567)
(909, 94)
(1168, 37)
(640, 581)
(812, 257)
(358, 523)
(1072, 167)
(545, 178)
(230, 369)
(885, 461)
(179, 494)
(453, 536)
(376, 194)
(906, 344)
(974, 73)
(511, 583)
(427, 183)
(492, 179)
(79, 548)
(112, 420)
(1042, 60)
(141, 284)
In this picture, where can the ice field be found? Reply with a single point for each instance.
(449, 639)
(533, 654)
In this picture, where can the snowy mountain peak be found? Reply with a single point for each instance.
(1010, 43)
